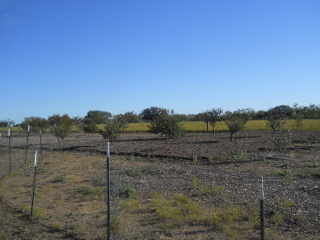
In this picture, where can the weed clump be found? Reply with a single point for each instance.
(177, 212)
(127, 191)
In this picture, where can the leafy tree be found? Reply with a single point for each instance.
(275, 118)
(284, 110)
(90, 125)
(60, 125)
(182, 117)
(313, 111)
(35, 123)
(298, 115)
(281, 134)
(131, 117)
(281, 137)
(99, 117)
(260, 115)
(7, 123)
(197, 117)
(150, 113)
(166, 124)
(112, 130)
(115, 125)
(121, 121)
(237, 120)
(213, 116)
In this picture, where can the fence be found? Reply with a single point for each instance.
(154, 199)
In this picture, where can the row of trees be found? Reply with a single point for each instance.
(101, 117)
(165, 122)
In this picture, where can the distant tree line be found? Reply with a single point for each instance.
(164, 121)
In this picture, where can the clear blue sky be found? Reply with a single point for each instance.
(73, 56)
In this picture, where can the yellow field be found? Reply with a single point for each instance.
(307, 124)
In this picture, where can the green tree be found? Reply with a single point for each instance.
(99, 117)
(298, 115)
(237, 120)
(213, 116)
(166, 124)
(90, 125)
(7, 123)
(112, 130)
(281, 134)
(275, 118)
(150, 113)
(35, 123)
(132, 117)
(60, 125)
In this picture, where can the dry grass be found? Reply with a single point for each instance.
(159, 199)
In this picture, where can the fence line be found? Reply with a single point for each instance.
(119, 171)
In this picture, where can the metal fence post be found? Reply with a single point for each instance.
(262, 216)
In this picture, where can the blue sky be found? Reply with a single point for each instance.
(73, 56)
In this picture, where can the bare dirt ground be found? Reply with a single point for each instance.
(169, 167)
(203, 145)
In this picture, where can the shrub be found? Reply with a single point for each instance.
(176, 212)
(60, 125)
(112, 130)
(90, 125)
(281, 137)
(114, 126)
(166, 124)
(99, 181)
(212, 116)
(237, 120)
(127, 192)
(58, 178)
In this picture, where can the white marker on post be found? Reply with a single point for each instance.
(108, 149)
(35, 158)
(261, 190)
(8, 132)
(28, 128)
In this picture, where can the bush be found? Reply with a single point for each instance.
(112, 130)
(60, 125)
(114, 126)
(237, 120)
(166, 124)
(127, 192)
(90, 125)
(281, 137)
(35, 123)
